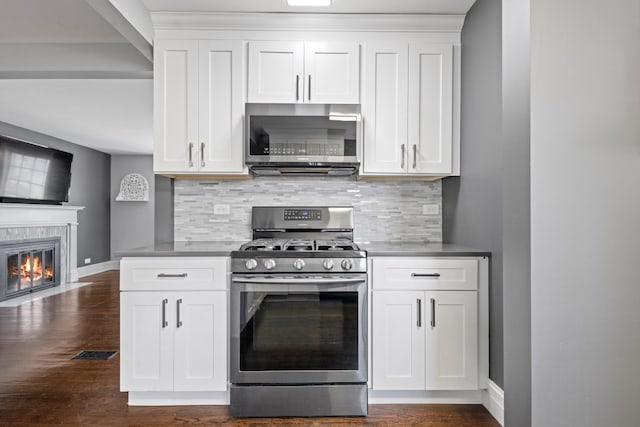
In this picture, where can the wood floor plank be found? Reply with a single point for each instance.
(40, 384)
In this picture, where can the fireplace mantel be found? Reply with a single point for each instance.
(18, 215)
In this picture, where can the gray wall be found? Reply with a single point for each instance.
(585, 212)
(89, 188)
(488, 206)
(472, 213)
(164, 209)
(132, 223)
(516, 240)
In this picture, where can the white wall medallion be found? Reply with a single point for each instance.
(133, 188)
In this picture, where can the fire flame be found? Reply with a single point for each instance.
(35, 269)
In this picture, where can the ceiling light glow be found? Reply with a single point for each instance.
(314, 3)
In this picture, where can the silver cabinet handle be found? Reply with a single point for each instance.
(402, 160)
(415, 149)
(178, 304)
(164, 313)
(202, 154)
(433, 313)
(436, 275)
(179, 275)
(191, 154)
(297, 87)
(419, 302)
(309, 87)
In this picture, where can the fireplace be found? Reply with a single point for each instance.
(28, 266)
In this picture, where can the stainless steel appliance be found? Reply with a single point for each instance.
(299, 316)
(302, 139)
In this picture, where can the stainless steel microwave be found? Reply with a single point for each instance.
(302, 139)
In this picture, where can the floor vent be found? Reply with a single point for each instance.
(95, 355)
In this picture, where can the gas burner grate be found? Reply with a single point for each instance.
(299, 245)
(336, 245)
(95, 355)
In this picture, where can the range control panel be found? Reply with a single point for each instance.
(302, 214)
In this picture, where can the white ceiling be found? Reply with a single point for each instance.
(57, 21)
(110, 115)
(114, 115)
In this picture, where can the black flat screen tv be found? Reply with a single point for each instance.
(31, 173)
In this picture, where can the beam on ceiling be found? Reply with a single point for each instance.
(73, 61)
(115, 17)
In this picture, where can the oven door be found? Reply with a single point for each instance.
(298, 330)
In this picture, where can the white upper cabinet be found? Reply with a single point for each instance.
(276, 71)
(198, 106)
(430, 108)
(408, 105)
(175, 105)
(297, 72)
(384, 108)
(332, 73)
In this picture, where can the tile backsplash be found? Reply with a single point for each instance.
(221, 210)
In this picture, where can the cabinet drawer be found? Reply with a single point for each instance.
(176, 273)
(424, 274)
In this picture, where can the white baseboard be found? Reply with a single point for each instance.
(88, 270)
(493, 400)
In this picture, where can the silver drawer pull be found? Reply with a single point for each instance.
(164, 313)
(419, 303)
(415, 156)
(433, 313)
(178, 275)
(179, 321)
(436, 275)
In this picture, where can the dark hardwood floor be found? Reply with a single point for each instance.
(40, 384)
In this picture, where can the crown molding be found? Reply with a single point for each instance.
(307, 22)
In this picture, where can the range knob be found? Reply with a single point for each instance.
(298, 264)
(346, 264)
(327, 264)
(251, 264)
(269, 263)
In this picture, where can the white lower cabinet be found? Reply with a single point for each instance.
(423, 339)
(173, 340)
(451, 329)
(398, 342)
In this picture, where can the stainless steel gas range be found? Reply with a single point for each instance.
(299, 316)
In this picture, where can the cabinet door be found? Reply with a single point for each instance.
(220, 144)
(200, 341)
(276, 72)
(332, 73)
(452, 340)
(384, 106)
(146, 342)
(175, 105)
(398, 341)
(430, 108)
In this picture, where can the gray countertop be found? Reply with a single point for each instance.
(212, 248)
(407, 249)
(182, 248)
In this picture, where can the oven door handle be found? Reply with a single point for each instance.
(298, 280)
